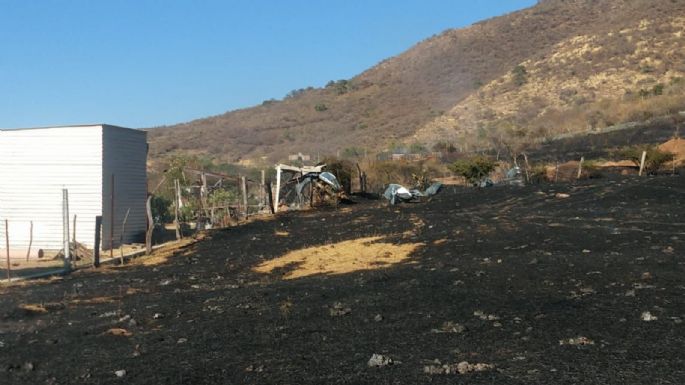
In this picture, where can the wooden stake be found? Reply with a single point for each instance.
(111, 220)
(244, 189)
(65, 230)
(203, 193)
(7, 250)
(262, 195)
(556, 173)
(580, 167)
(525, 158)
(270, 198)
(121, 236)
(361, 179)
(642, 162)
(177, 193)
(28, 252)
(278, 188)
(150, 225)
(73, 238)
(96, 247)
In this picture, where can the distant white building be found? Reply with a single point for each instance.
(37, 163)
(299, 156)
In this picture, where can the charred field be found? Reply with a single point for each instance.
(579, 283)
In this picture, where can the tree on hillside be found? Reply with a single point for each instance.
(520, 75)
(473, 169)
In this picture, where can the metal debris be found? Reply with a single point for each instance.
(577, 341)
(396, 193)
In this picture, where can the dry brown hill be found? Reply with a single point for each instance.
(560, 66)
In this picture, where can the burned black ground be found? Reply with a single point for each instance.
(544, 267)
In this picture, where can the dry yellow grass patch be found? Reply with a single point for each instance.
(281, 233)
(368, 253)
(33, 308)
(162, 255)
(92, 301)
(119, 332)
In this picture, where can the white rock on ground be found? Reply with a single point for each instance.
(379, 360)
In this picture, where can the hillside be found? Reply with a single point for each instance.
(559, 66)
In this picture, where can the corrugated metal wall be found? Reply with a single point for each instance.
(35, 165)
(125, 156)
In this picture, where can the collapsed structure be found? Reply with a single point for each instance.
(308, 181)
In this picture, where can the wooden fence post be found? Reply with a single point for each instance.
(121, 236)
(177, 194)
(7, 250)
(270, 198)
(262, 195)
(150, 225)
(556, 173)
(642, 162)
(111, 220)
(580, 167)
(28, 252)
(65, 229)
(244, 189)
(361, 179)
(96, 247)
(278, 188)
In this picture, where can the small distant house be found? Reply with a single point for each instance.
(299, 156)
(103, 167)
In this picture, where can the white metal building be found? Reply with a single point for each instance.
(37, 163)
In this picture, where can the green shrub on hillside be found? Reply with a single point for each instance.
(520, 75)
(473, 169)
(654, 161)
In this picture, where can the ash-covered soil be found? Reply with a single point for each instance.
(536, 286)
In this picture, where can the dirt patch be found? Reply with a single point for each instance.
(677, 147)
(161, 256)
(369, 253)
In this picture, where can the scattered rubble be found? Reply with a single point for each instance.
(379, 360)
(255, 368)
(648, 317)
(485, 317)
(463, 367)
(450, 327)
(577, 341)
(338, 310)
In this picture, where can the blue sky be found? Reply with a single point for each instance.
(143, 63)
